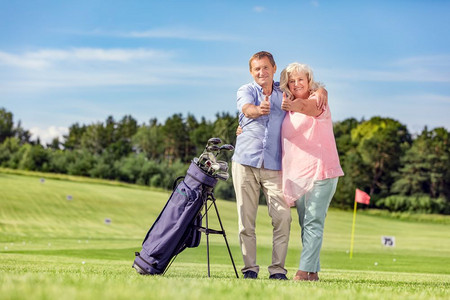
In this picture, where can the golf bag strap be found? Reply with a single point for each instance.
(175, 183)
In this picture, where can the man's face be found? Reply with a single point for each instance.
(262, 71)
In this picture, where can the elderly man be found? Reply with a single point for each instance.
(257, 164)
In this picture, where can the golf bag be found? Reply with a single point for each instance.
(177, 225)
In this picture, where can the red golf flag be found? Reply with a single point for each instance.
(362, 197)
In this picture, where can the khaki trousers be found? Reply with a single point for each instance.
(247, 183)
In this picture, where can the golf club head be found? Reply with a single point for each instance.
(214, 141)
(227, 147)
(223, 165)
(212, 148)
(222, 176)
(215, 166)
(206, 156)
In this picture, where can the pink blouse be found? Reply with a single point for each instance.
(309, 153)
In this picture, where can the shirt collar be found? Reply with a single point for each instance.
(275, 86)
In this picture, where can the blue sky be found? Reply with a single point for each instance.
(63, 62)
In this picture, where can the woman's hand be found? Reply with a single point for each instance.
(238, 130)
(304, 106)
(286, 103)
(321, 96)
(289, 104)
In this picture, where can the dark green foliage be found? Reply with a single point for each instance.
(34, 158)
(425, 169)
(225, 190)
(416, 203)
(6, 124)
(104, 166)
(9, 146)
(80, 162)
(7, 129)
(380, 142)
(149, 140)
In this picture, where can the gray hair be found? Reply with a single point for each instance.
(296, 67)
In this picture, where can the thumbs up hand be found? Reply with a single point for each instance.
(286, 104)
(264, 107)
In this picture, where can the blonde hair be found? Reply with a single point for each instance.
(296, 67)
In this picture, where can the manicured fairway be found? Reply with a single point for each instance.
(75, 239)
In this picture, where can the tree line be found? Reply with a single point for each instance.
(400, 171)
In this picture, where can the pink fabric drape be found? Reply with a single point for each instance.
(309, 153)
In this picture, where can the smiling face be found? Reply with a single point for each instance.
(298, 85)
(262, 71)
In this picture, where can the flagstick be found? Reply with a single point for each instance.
(353, 231)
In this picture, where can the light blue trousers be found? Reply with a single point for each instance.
(312, 209)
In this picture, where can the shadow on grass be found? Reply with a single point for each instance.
(105, 254)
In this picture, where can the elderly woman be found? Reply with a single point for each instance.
(310, 162)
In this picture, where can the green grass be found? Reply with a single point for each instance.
(54, 248)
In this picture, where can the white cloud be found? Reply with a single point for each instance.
(388, 75)
(20, 61)
(259, 9)
(422, 61)
(184, 33)
(181, 33)
(90, 67)
(412, 69)
(46, 57)
(46, 135)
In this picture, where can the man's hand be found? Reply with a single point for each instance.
(264, 107)
(321, 96)
(252, 111)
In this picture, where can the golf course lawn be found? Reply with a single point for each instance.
(75, 238)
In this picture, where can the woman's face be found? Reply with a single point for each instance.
(299, 85)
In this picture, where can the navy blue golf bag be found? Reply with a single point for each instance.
(177, 225)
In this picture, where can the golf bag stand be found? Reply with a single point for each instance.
(178, 226)
(207, 231)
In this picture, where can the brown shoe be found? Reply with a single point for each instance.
(301, 275)
(313, 276)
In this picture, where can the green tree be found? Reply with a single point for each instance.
(381, 143)
(342, 133)
(55, 143)
(6, 125)
(81, 163)
(104, 166)
(356, 176)
(73, 139)
(126, 128)
(175, 138)
(33, 158)
(94, 138)
(23, 135)
(200, 135)
(8, 148)
(110, 131)
(59, 160)
(149, 140)
(190, 147)
(225, 127)
(426, 166)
